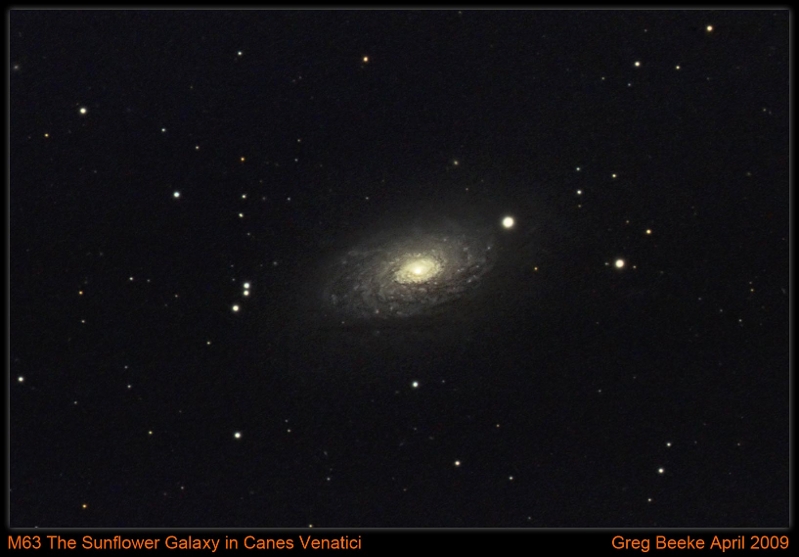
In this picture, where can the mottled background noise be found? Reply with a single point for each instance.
(399, 268)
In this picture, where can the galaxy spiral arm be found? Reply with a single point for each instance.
(401, 273)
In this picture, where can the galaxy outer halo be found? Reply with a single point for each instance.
(370, 280)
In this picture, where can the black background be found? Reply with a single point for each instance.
(566, 393)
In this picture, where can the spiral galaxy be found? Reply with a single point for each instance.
(409, 271)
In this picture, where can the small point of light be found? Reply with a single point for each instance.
(242, 159)
(455, 163)
(457, 463)
(83, 110)
(510, 478)
(239, 53)
(176, 194)
(649, 231)
(677, 67)
(637, 64)
(613, 175)
(237, 435)
(246, 285)
(85, 506)
(163, 130)
(365, 59)
(415, 384)
(661, 470)
(47, 135)
(235, 308)
(508, 222)
(196, 147)
(246, 293)
(579, 192)
(668, 443)
(241, 215)
(20, 379)
(619, 263)
(150, 432)
(709, 28)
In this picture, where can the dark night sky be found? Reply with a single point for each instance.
(202, 206)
